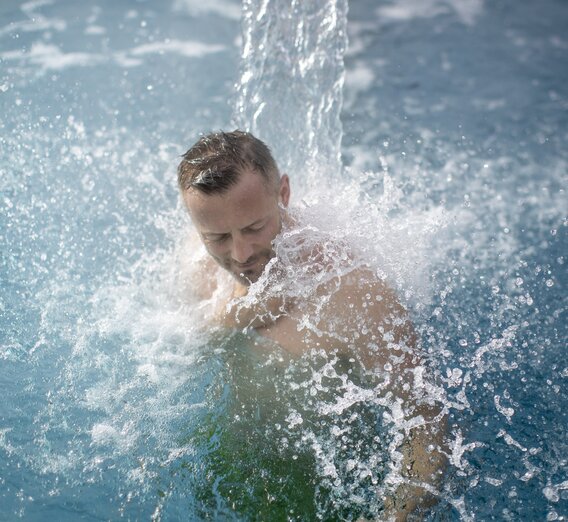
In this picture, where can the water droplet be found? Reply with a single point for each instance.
(551, 493)
(463, 342)
(549, 283)
(519, 281)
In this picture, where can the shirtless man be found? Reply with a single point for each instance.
(237, 200)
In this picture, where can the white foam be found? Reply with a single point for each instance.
(551, 492)
(51, 57)
(467, 11)
(223, 8)
(359, 78)
(36, 21)
(103, 434)
(188, 48)
(95, 30)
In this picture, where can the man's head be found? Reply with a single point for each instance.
(232, 188)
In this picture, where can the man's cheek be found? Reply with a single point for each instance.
(219, 259)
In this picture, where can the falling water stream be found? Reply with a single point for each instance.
(291, 84)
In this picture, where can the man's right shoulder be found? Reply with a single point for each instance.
(204, 280)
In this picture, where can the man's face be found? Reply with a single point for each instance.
(238, 226)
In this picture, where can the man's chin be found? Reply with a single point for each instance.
(248, 277)
(251, 274)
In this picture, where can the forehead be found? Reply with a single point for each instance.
(250, 199)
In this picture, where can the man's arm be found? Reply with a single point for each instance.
(362, 315)
(386, 342)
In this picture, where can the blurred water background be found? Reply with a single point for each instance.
(437, 134)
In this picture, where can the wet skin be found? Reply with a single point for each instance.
(238, 226)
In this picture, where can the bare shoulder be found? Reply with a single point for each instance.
(205, 281)
(368, 308)
(363, 285)
(213, 290)
(360, 294)
(198, 271)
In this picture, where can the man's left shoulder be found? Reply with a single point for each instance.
(361, 286)
(365, 303)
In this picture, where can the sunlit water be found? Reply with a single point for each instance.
(453, 124)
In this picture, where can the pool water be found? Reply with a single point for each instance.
(451, 121)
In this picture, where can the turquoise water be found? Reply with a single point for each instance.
(118, 404)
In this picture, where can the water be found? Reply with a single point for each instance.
(453, 125)
(307, 85)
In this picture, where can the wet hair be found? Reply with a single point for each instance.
(217, 160)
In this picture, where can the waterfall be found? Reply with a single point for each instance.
(290, 88)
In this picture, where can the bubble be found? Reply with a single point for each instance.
(551, 494)
(493, 481)
(294, 419)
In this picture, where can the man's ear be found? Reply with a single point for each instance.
(284, 190)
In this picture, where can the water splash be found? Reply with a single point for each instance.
(117, 390)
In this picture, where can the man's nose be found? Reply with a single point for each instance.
(241, 250)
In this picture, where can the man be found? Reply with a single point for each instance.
(238, 201)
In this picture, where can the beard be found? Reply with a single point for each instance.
(249, 272)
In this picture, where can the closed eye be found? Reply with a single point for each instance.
(217, 239)
(255, 229)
